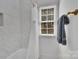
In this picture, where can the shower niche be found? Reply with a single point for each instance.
(1, 19)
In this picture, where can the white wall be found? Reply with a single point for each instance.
(48, 46)
(14, 33)
(72, 28)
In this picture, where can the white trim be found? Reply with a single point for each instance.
(47, 7)
(47, 21)
(47, 35)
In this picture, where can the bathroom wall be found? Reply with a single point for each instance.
(72, 28)
(48, 46)
(13, 33)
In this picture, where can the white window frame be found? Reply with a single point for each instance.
(47, 7)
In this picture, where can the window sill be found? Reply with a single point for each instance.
(49, 35)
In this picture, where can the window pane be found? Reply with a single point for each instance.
(44, 11)
(50, 31)
(43, 25)
(44, 31)
(50, 17)
(44, 18)
(51, 11)
(50, 25)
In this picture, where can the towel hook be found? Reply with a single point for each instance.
(75, 12)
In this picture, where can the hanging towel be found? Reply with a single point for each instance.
(61, 35)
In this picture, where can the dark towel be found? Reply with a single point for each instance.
(61, 36)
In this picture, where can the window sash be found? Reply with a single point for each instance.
(48, 30)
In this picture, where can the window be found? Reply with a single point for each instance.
(47, 20)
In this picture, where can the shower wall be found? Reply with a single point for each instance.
(13, 33)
